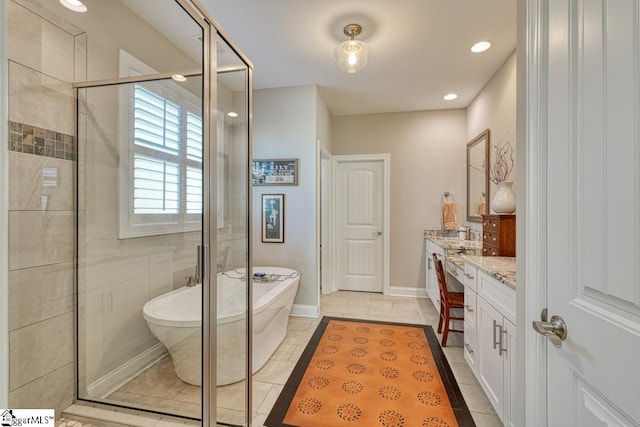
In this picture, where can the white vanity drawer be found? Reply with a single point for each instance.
(470, 302)
(470, 348)
(502, 297)
(456, 272)
(471, 276)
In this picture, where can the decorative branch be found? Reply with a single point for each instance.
(502, 165)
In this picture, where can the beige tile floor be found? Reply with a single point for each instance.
(158, 387)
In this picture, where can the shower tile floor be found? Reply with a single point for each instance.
(159, 387)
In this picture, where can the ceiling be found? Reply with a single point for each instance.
(419, 48)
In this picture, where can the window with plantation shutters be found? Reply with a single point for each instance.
(161, 151)
(167, 159)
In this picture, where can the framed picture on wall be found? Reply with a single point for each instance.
(273, 218)
(274, 172)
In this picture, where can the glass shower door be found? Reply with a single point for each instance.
(163, 312)
(139, 225)
(232, 238)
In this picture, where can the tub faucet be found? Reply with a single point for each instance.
(225, 265)
(193, 280)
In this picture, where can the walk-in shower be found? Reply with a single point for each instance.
(129, 146)
(134, 118)
(162, 203)
(140, 197)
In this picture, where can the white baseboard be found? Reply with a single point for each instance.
(402, 291)
(108, 383)
(302, 310)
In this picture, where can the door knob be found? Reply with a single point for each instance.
(555, 330)
(376, 233)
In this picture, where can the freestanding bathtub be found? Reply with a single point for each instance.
(175, 319)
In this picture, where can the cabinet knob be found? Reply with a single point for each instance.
(494, 239)
(468, 308)
(493, 225)
(469, 349)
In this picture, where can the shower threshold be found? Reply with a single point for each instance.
(83, 414)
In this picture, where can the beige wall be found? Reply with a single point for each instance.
(285, 126)
(495, 108)
(427, 159)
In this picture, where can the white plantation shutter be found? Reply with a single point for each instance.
(156, 186)
(156, 161)
(194, 137)
(166, 155)
(160, 150)
(194, 168)
(194, 191)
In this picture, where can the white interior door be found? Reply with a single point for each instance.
(359, 223)
(592, 209)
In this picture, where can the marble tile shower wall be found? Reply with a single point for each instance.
(42, 65)
(24, 138)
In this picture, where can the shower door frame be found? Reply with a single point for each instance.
(211, 31)
(209, 223)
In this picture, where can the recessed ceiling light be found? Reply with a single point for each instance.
(179, 78)
(232, 114)
(75, 5)
(480, 46)
(450, 96)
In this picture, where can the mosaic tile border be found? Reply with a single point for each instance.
(24, 138)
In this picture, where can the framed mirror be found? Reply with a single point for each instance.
(477, 178)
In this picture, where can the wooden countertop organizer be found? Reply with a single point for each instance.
(498, 235)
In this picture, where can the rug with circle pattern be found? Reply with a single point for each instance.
(364, 373)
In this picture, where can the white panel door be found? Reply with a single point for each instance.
(360, 224)
(591, 247)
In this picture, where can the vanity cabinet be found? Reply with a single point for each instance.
(433, 291)
(498, 235)
(490, 338)
(470, 347)
(495, 362)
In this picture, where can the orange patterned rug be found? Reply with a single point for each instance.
(365, 373)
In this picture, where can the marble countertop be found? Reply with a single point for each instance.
(500, 267)
(450, 243)
(461, 251)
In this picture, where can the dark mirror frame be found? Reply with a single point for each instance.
(483, 138)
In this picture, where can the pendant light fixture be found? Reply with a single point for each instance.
(352, 55)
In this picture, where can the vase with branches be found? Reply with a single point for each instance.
(502, 165)
(499, 170)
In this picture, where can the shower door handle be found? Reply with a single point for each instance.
(201, 262)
